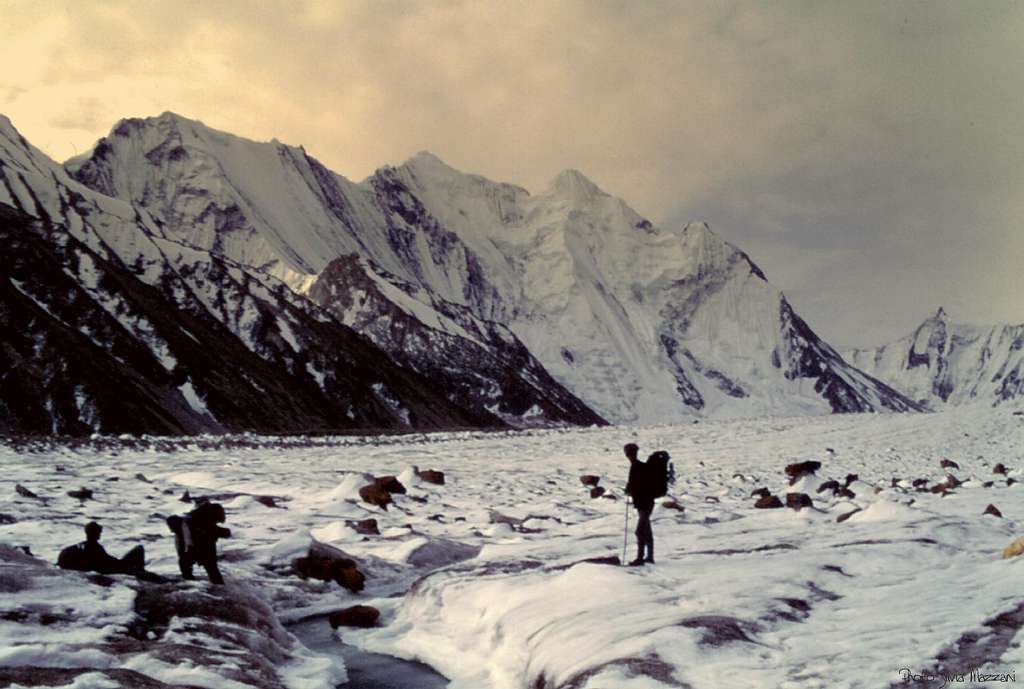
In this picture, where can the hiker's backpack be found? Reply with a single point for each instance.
(661, 473)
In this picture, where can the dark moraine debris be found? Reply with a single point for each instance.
(843, 517)
(798, 501)
(719, 630)
(431, 476)
(24, 492)
(831, 485)
(391, 484)
(366, 527)
(768, 502)
(80, 494)
(597, 491)
(993, 510)
(999, 469)
(327, 563)
(363, 616)
(949, 464)
(590, 480)
(374, 494)
(800, 469)
(760, 493)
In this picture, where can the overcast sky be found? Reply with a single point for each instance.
(869, 156)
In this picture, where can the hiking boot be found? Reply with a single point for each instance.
(637, 563)
(649, 561)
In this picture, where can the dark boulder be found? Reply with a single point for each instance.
(999, 469)
(768, 502)
(597, 491)
(949, 464)
(431, 476)
(993, 510)
(843, 517)
(831, 485)
(364, 616)
(845, 493)
(590, 480)
(673, 505)
(374, 494)
(850, 478)
(80, 494)
(800, 469)
(24, 492)
(760, 493)
(327, 563)
(367, 527)
(390, 484)
(798, 501)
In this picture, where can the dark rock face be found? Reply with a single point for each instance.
(768, 502)
(327, 563)
(478, 364)
(363, 616)
(167, 364)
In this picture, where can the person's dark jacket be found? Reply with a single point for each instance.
(203, 524)
(639, 486)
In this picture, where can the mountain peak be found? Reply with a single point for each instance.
(575, 184)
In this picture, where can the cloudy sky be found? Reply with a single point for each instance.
(869, 156)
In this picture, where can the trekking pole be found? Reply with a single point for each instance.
(625, 532)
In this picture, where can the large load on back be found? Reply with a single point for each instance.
(660, 473)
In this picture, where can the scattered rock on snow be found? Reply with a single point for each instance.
(843, 517)
(390, 484)
(999, 469)
(760, 492)
(7, 519)
(24, 492)
(590, 480)
(364, 616)
(799, 469)
(367, 527)
(845, 494)
(431, 476)
(797, 501)
(831, 485)
(374, 494)
(142, 477)
(673, 505)
(327, 563)
(768, 502)
(949, 464)
(597, 491)
(850, 478)
(993, 510)
(81, 494)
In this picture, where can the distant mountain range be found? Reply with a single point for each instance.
(947, 364)
(178, 279)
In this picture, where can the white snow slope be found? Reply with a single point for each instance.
(740, 597)
(644, 324)
(944, 363)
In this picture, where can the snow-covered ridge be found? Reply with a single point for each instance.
(945, 363)
(642, 323)
(110, 325)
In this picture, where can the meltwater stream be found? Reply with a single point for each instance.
(366, 670)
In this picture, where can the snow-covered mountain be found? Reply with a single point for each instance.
(111, 324)
(944, 363)
(642, 323)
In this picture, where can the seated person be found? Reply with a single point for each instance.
(90, 556)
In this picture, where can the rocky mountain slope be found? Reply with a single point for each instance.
(944, 363)
(644, 324)
(111, 325)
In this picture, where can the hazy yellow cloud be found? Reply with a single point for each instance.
(853, 135)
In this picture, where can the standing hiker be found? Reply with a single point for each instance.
(638, 486)
(195, 539)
